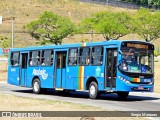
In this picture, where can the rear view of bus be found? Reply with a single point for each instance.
(135, 68)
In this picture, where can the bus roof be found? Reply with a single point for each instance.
(110, 42)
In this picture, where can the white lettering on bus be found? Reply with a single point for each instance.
(41, 73)
(13, 69)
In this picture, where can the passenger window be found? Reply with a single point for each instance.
(14, 59)
(34, 58)
(97, 56)
(73, 55)
(84, 56)
(47, 57)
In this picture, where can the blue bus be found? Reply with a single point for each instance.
(115, 66)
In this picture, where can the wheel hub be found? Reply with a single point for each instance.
(36, 86)
(92, 90)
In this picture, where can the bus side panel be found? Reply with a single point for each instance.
(58, 77)
(30, 76)
(78, 75)
(96, 72)
(23, 80)
(71, 77)
(13, 75)
(63, 78)
(45, 75)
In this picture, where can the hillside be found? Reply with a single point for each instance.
(25, 12)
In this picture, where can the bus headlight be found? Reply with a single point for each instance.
(124, 80)
(128, 82)
(151, 83)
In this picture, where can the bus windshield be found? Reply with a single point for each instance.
(137, 62)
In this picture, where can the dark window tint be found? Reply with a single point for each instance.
(34, 58)
(47, 57)
(15, 59)
(84, 56)
(97, 56)
(73, 54)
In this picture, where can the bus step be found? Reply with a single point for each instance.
(59, 89)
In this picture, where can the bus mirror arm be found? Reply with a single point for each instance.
(119, 52)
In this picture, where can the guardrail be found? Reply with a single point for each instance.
(116, 3)
(3, 59)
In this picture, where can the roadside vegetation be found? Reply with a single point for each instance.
(149, 3)
(112, 25)
(121, 23)
(51, 28)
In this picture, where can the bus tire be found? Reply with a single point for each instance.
(123, 95)
(93, 90)
(36, 86)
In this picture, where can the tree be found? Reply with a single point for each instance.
(110, 25)
(51, 28)
(147, 24)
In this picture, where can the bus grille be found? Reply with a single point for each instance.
(140, 83)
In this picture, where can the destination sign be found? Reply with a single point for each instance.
(137, 45)
(134, 45)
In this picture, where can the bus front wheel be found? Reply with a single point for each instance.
(93, 90)
(36, 86)
(123, 95)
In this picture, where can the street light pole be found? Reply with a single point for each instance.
(13, 18)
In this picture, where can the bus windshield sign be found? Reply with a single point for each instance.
(135, 45)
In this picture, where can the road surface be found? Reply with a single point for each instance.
(135, 102)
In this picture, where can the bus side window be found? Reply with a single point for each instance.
(73, 55)
(84, 56)
(34, 58)
(97, 56)
(47, 58)
(14, 59)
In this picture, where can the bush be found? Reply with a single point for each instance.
(157, 51)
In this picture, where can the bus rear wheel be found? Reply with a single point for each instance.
(93, 90)
(36, 86)
(123, 95)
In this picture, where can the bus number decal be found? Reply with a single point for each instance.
(41, 73)
(98, 72)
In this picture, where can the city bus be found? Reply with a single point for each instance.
(114, 66)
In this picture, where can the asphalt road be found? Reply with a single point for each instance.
(135, 102)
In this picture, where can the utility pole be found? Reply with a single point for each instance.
(107, 2)
(13, 18)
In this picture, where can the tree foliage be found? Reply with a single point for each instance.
(5, 42)
(110, 25)
(115, 25)
(157, 51)
(51, 28)
(147, 24)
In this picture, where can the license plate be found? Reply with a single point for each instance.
(147, 80)
(140, 88)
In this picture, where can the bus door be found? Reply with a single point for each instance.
(110, 68)
(14, 69)
(60, 69)
(23, 72)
